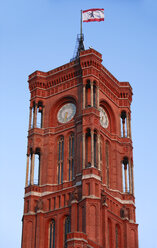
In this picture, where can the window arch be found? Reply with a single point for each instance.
(67, 229)
(60, 159)
(52, 234)
(71, 156)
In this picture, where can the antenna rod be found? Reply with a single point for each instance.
(81, 24)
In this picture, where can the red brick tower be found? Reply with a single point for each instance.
(79, 178)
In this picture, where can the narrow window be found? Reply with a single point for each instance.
(32, 115)
(60, 159)
(52, 234)
(40, 115)
(37, 166)
(94, 95)
(95, 149)
(67, 230)
(125, 175)
(118, 236)
(123, 124)
(107, 163)
(71, 157)
(88, 148)
(88, 94)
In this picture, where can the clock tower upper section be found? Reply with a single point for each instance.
(79, 158)
(84, 98)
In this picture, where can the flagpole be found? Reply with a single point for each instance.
(81, 24)
(80, 39)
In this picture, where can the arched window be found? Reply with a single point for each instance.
(71, 156)
(40, 115)
(60, 159)
(127, 176)
(34, 158)
(67, 229)
(52, 234)
(37, 166)
(123, 124)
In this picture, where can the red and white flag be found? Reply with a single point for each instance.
(93, 15)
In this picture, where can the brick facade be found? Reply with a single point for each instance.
(83, 193)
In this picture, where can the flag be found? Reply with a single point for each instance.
(93, 15)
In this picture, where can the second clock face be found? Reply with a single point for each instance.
(66, 112)
(103, 118)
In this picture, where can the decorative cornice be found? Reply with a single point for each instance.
(89, 176)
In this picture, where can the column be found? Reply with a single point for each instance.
(132, 174)
(120, 119)
(83, 150)
(130, 127)
(127, 123)
(130, 186)
(92, 148)
(122, 178)
(97, 97)
(30, 117)
(27, 170)
(32, 169)
(84, 96)
(35, 116)
(91, 91)
(98, 151)
(126, 182)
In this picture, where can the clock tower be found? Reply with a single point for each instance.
(79, 190)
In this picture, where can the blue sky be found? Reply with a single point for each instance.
(42, 35)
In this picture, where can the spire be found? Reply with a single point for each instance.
(81, 47)
(79, 42)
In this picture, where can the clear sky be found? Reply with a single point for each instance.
(41, 35)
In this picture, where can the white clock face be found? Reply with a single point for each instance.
(103, 118)
(66, 112)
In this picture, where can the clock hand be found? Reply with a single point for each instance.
(65, 117)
